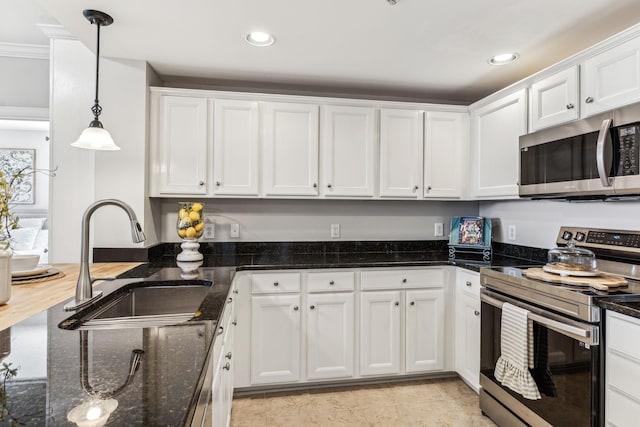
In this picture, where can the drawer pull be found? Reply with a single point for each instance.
(570, 106)
(396, 303)
(312, 307)
(275, 283)
(201, 183)
(228, 356)
(589, 100)
(226, 366)
(412, 303)
(332, 282)
(295, 308)
(404, 280)
(476, 312)
(468, 284)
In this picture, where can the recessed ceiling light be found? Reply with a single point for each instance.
(259, 38)
(503, 58)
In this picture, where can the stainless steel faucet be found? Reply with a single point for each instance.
(84, 291)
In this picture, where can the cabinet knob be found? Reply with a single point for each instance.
(234, 323)
(235, 291)
(332, 282)
(226, 366)
(412, 303)
(315, 185)
(468, 284)
(589, 100)
(218, 184)
(476, 312)
(328, 185)
(415, 188)
(230, 299)
(228, 355)
(396, 303)
(276, 283)
(220, 330)
(295, 308)
(201, 183)
(428, 188)
(312, 307)
(570, 106)
(404, 280)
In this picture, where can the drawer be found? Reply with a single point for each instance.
(275, 282)
(623, 334)
(623, 374)
(403, 279)
(330, 281)
(467, 282)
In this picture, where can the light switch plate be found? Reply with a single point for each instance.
(335, 231)
(209, 230)
(512, 232)
(234, 230)
(438, 229)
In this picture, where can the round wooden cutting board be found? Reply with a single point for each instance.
(603, 282)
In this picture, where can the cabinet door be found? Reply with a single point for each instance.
(235, 147)
(218, 404)
(445, 154)
(348, 151)
(380, 332)
(611, 79)
(496, 129)
(180, 164)
(275, 339)
(400, 153)
(424, 330)
(554, 100)
(330, 343)
(290, 162)
(467, 339)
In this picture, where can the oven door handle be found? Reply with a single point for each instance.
(587, 334)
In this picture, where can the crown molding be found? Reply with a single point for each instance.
(54, 31)
(24, 113)
(29, 51)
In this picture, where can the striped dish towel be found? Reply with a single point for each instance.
(512, 369)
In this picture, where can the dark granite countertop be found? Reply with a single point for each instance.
(53, 376)
(629, 306)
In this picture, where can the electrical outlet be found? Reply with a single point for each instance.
(234, 230)
(438, 229)
(335, 231)
(512, 232)
(209, 229)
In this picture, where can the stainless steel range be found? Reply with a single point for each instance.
(566, 345)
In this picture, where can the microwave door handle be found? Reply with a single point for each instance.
(604, 138)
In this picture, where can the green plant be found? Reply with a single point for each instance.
(6, 376)
(8, 219)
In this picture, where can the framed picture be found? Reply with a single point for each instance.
(13, 160)
(472, 231)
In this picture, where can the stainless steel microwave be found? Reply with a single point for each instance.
(597, 157)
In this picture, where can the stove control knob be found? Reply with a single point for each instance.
(579, 237)
(567, 235)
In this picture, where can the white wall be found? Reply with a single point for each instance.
(24, 82)
(85, 176)
(310, 220)
(30, 137)
(537, 222)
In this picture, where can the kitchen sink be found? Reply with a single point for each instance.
(143, 304)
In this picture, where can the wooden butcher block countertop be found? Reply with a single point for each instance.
(31, 298)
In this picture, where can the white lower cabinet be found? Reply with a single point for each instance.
(275, 339)
(380, 333)
(223, 372)
(622, 372)
(330, 333)
(424, 330)
(467, 327)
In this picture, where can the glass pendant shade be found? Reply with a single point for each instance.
(96, 138)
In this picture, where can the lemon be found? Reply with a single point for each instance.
(182, 233)
(197, 207)
(195, 216)
(183, 213)
(199, 226)
(191, 232)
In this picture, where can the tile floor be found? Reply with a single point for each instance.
(436, 402)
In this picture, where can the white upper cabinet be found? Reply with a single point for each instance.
(554, 100)
(445, 154)
(611, 79)
(401, 141)
(496, 129)
(179, 134)
(236, 135)
(290, 149)
(348, 137)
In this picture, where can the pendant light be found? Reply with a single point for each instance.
(95, 137)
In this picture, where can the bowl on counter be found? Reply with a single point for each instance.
(24, 262)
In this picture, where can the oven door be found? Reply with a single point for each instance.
(566, 356)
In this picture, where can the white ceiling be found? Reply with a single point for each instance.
(418, 49)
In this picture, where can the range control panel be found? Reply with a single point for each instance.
(628, 152)
(617, 240)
